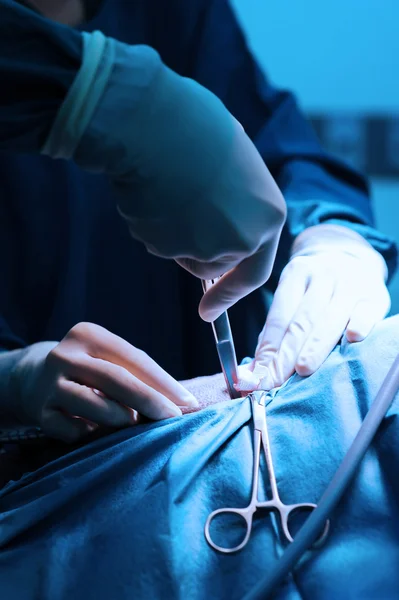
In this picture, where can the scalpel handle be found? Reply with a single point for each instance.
(225, 347)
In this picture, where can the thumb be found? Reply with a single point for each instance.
(246, 277)
(254, 377)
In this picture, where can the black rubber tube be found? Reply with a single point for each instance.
(309, 532)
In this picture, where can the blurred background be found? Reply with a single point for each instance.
(341, 58)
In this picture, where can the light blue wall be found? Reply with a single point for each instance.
(340, 55)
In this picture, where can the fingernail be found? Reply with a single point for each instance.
(210, 315)
(172, 411)
(98, 393)
(189, 400)
(133, 417)
(92, 427)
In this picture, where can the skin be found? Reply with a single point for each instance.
(67, 12)
(207, 391)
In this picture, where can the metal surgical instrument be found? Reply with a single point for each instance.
(285, 511)
(266, 587)
(225, 346)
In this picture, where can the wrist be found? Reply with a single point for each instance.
(327, 237)
(114, 78)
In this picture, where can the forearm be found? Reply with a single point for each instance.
(39, 60)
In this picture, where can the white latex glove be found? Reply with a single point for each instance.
(334, 284)
(92, 377)
(186, 178)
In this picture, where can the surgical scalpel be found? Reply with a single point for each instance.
(225, 346)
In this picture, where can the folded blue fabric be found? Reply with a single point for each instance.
(123, 517)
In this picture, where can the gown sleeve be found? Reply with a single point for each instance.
(317, 187)
(38, 62)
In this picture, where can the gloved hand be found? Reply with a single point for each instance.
(187, 179)
(334, 284)
(92, 377)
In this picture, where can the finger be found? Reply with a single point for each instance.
(287, 299)
(209, 270)
(248, 380)
(365, 315)
(310, 313)
(118, 383)
(326, 335)
(246, 277)
(107, 346)
(150, 373)
(63, 427)
(82, 401)
(209, 390)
